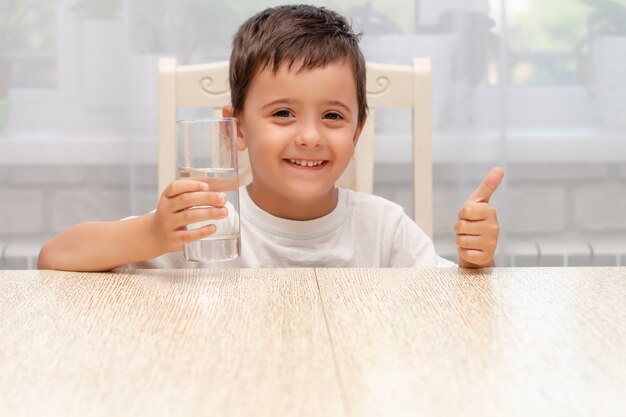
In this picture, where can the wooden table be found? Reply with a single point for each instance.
(314, 342)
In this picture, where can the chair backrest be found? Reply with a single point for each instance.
(388, 86)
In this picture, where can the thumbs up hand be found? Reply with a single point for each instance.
(477, 227)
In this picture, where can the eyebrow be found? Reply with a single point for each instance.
(340, 104)
(279, 101)
(290, 101)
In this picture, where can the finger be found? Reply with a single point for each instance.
(475, 257)
(485, 190)
(196, 215)
(468, 227)
(194, 199)
(472, 242)
(188, 236)
(478, 227)
(184, 186)
(476, 211)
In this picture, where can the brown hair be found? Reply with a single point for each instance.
(306, 36)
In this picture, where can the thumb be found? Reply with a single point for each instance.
(483, 193)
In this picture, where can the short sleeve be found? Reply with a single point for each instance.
(412, 248)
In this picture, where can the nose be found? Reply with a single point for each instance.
(309, 136)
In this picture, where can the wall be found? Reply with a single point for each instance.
(556, 214)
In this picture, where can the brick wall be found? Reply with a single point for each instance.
(550, 214)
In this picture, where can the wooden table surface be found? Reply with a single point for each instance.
(314, 342)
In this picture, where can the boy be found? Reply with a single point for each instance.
(298, 92)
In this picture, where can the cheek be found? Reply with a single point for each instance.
(344, 142)
(342, 154)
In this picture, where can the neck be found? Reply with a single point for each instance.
(294, 208)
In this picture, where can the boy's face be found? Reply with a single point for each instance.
(300, 130)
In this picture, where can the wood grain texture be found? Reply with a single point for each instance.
(493, 342)
(165, 342)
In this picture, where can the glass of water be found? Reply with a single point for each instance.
(207, 152)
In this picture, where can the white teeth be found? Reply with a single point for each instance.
(305, 163)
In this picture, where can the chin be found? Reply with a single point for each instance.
(311, 192)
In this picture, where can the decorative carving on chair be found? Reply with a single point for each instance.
(382, 83)
(207, 82)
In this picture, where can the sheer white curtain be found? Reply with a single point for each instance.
(534, 86)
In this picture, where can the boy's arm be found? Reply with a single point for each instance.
(101, 246)
(477, 228)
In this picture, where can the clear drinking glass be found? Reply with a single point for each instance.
(207, 152)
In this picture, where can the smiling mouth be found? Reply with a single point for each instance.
(308, 164)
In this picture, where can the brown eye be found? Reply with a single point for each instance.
(282, 113)
(333, 116)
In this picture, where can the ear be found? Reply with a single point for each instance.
(228, 111)
(359, 130)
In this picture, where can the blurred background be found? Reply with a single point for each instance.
(535, 86)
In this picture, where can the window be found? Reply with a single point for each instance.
(548, 42)
(28, 30)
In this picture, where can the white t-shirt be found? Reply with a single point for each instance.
(364, 230)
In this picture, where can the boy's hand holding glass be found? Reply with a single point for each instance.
(477, 228)
(185, 202)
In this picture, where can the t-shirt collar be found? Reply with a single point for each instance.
(293, 229)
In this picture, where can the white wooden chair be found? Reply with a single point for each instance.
(388, 86)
